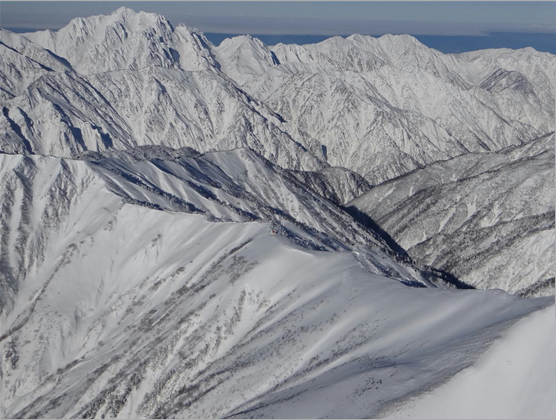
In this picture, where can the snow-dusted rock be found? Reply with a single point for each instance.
(486, 218)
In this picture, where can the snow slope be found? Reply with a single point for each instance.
(526, 351)
(177, 238)
(486, 218)
(22, 62)
(126, 309)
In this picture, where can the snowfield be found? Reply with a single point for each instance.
(490, 388)
(129, 309)
(246, 231)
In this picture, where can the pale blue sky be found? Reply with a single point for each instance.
(319, 18)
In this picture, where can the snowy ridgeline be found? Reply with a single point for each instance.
(486, 218)
(120, 309)
(381, 107)
(191, 231)
(343, 115)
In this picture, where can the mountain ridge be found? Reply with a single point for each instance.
(423, 122)
(149, 331)
(244, 230)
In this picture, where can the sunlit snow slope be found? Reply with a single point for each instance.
(527, 351)
(119, 308)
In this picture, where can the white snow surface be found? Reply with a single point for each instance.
(489, 390)
(172, 240)
(126, 302)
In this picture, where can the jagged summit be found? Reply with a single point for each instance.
(243, 56)
(125, 12)
(127, 39)
(132, 19)
(403, 39)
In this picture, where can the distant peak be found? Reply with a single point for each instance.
(359, 37)
(335, 38)
(124, 11)
(126, 14)
(123, 15)
(242, 39)
(400, 39)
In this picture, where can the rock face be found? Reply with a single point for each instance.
(486, 218)
(177, 230)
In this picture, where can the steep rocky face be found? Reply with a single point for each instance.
(486, 218)
(357, 129)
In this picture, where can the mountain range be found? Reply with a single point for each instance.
(244, 230)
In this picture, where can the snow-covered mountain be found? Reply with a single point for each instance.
(486, 218)
(22, 62)
(118, 102)
(65, 114)
(243, 230)
(236, 186)
(136, 292)
(126, 40)
(393, 101)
